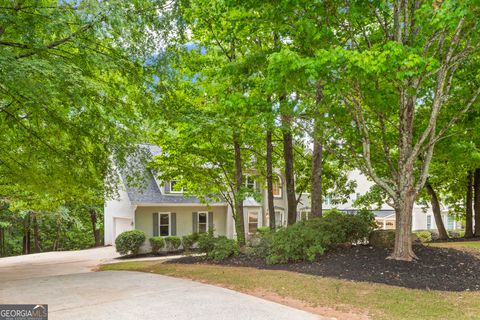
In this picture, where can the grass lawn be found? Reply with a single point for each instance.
(458, 245)
(326, 296)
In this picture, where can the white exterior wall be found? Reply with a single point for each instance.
(117, 209)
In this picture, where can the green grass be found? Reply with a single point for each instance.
(457, 245)
(377, 300)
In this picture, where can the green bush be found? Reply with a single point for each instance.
(263, 230)
(305, 240)
(260, 244)
(172, 243)
(456, 233)
(222, 249)
(206, 242)
(129, 242)
(217, 248)
(382, 238)
(424, 236)
(189, 241)
(157, 243)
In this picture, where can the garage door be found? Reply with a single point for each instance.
(121, 225)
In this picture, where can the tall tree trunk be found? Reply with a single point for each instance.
(271, 206)
(95, 231)
(437, 214)
(289, 171)
(476, 201)
(238, 215)
(406, 193)
(468, 206)
(317, 167)
(26, 235)
(403, 233)
(36, 233)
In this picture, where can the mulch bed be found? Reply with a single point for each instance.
(151, 255)
(443, 269)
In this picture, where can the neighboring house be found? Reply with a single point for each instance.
(160, 208)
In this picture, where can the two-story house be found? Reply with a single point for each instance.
(161, 208)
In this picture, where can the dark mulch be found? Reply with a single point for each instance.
(150, 255)
(437, 268)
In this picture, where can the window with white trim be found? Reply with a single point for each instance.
(277, 187)
(250, 182)
(304, 214)
(429, 222)
(164, 224)
(279, 218)
(327, 200)
(175, 188)
(450, 223)
(252, 222)
(202, 222)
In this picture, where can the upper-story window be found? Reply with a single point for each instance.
(249, 182)
(175, 188)
(277, 187)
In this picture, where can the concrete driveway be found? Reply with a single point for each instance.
(64, 281)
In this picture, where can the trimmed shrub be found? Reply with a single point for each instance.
(157, 243)
(130, 242)
(217, 248)
(382, 238)
(206, 242)
(456, 233)
(424, 236)
(305, 240)
(189, 241)
(263, 230)
(261, 243)
(223, 248)
(172, 243)
(386, 238)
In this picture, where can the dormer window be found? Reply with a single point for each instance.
(175, 188)
(277, 187)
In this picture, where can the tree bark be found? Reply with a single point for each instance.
(476, 201)
(271, 206)
(238, 214)
(317, 158)
(437, 214)
(406, 192)
(403, 233)
(36, 234)
(468, 206)
(289, 171)
(26, 235)
(95, 231)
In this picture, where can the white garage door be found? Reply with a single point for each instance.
(121, 225)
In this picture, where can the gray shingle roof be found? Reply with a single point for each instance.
(140, 183)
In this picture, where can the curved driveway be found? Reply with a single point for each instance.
(75, 293)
